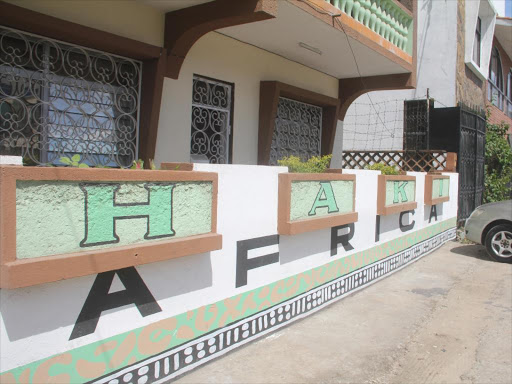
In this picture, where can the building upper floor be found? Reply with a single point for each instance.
(499, 82)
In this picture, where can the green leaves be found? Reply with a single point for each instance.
(383, 168)
(316, 164)
(498, 163)
(73, 162)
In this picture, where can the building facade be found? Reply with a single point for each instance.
(116, 276)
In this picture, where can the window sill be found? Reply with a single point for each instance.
(476, 70)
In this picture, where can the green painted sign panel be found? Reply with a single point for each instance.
(400, 192)
(440, 188)
(54, 217)
(310, 199)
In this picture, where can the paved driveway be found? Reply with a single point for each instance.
(445, 319)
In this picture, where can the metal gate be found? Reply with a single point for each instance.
(471, 161)
(462, 130)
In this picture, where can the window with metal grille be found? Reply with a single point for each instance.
(58, 100)
(297, 130)
(212, 110)
(476, 43)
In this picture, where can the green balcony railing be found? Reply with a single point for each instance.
(383, 17)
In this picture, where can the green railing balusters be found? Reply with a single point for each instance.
(384, 17)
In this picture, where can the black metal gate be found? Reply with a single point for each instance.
(462, 130)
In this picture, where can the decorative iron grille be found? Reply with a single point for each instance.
(211, 120)
(58, 99)
(297, 131)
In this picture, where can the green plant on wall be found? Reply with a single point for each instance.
(316, 164)
(383, 168)
(73, 161)
(498, 163)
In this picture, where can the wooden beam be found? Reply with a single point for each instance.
(153, 75)
(185, 26)
(351, 89)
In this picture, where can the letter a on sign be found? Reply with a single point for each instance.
(399, 190)
(102, 211)
(324, 199)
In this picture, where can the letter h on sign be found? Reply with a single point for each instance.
(102, 211)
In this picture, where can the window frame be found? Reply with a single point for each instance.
(478, 42)
(48, 107)
(153, 60)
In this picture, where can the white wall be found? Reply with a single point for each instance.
(125, 18)
(436, 70)
(36, 322)
(226, 59)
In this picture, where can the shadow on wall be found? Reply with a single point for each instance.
(292, 248)
(28, 311)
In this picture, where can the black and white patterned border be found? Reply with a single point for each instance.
(176, 361)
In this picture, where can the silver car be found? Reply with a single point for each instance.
(491, 225)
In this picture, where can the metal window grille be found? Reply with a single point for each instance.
(58, 99)
(297, 131)
(211, 120)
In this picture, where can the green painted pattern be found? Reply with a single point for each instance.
(304, 194)
(399, 192)
(440, 188)
(125, 349)
(50, 216)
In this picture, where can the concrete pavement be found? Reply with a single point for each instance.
(445, 319)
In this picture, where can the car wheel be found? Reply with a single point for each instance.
(498, 243)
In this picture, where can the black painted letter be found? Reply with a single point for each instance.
(433, 213)
(408, 227)
(341, 239)
(244, 264)
(100, 300)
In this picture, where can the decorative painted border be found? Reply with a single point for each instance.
(287, 227)
(382, 208)
(177, 361)
(16, 273)
(429, 184)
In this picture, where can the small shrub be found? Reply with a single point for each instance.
(74, 161)
(383, 168)
(316, 164)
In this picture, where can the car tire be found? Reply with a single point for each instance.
(498, 243)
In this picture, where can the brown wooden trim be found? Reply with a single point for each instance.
(429, 183)
(270, 91)
(153, 72)
(177, 166)
(38, 23)
(269, 99)
(351, 89)
(287, 227)
(451, 162)
(24, 273)
(185, 26)
(382, 208)
(19, 273)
